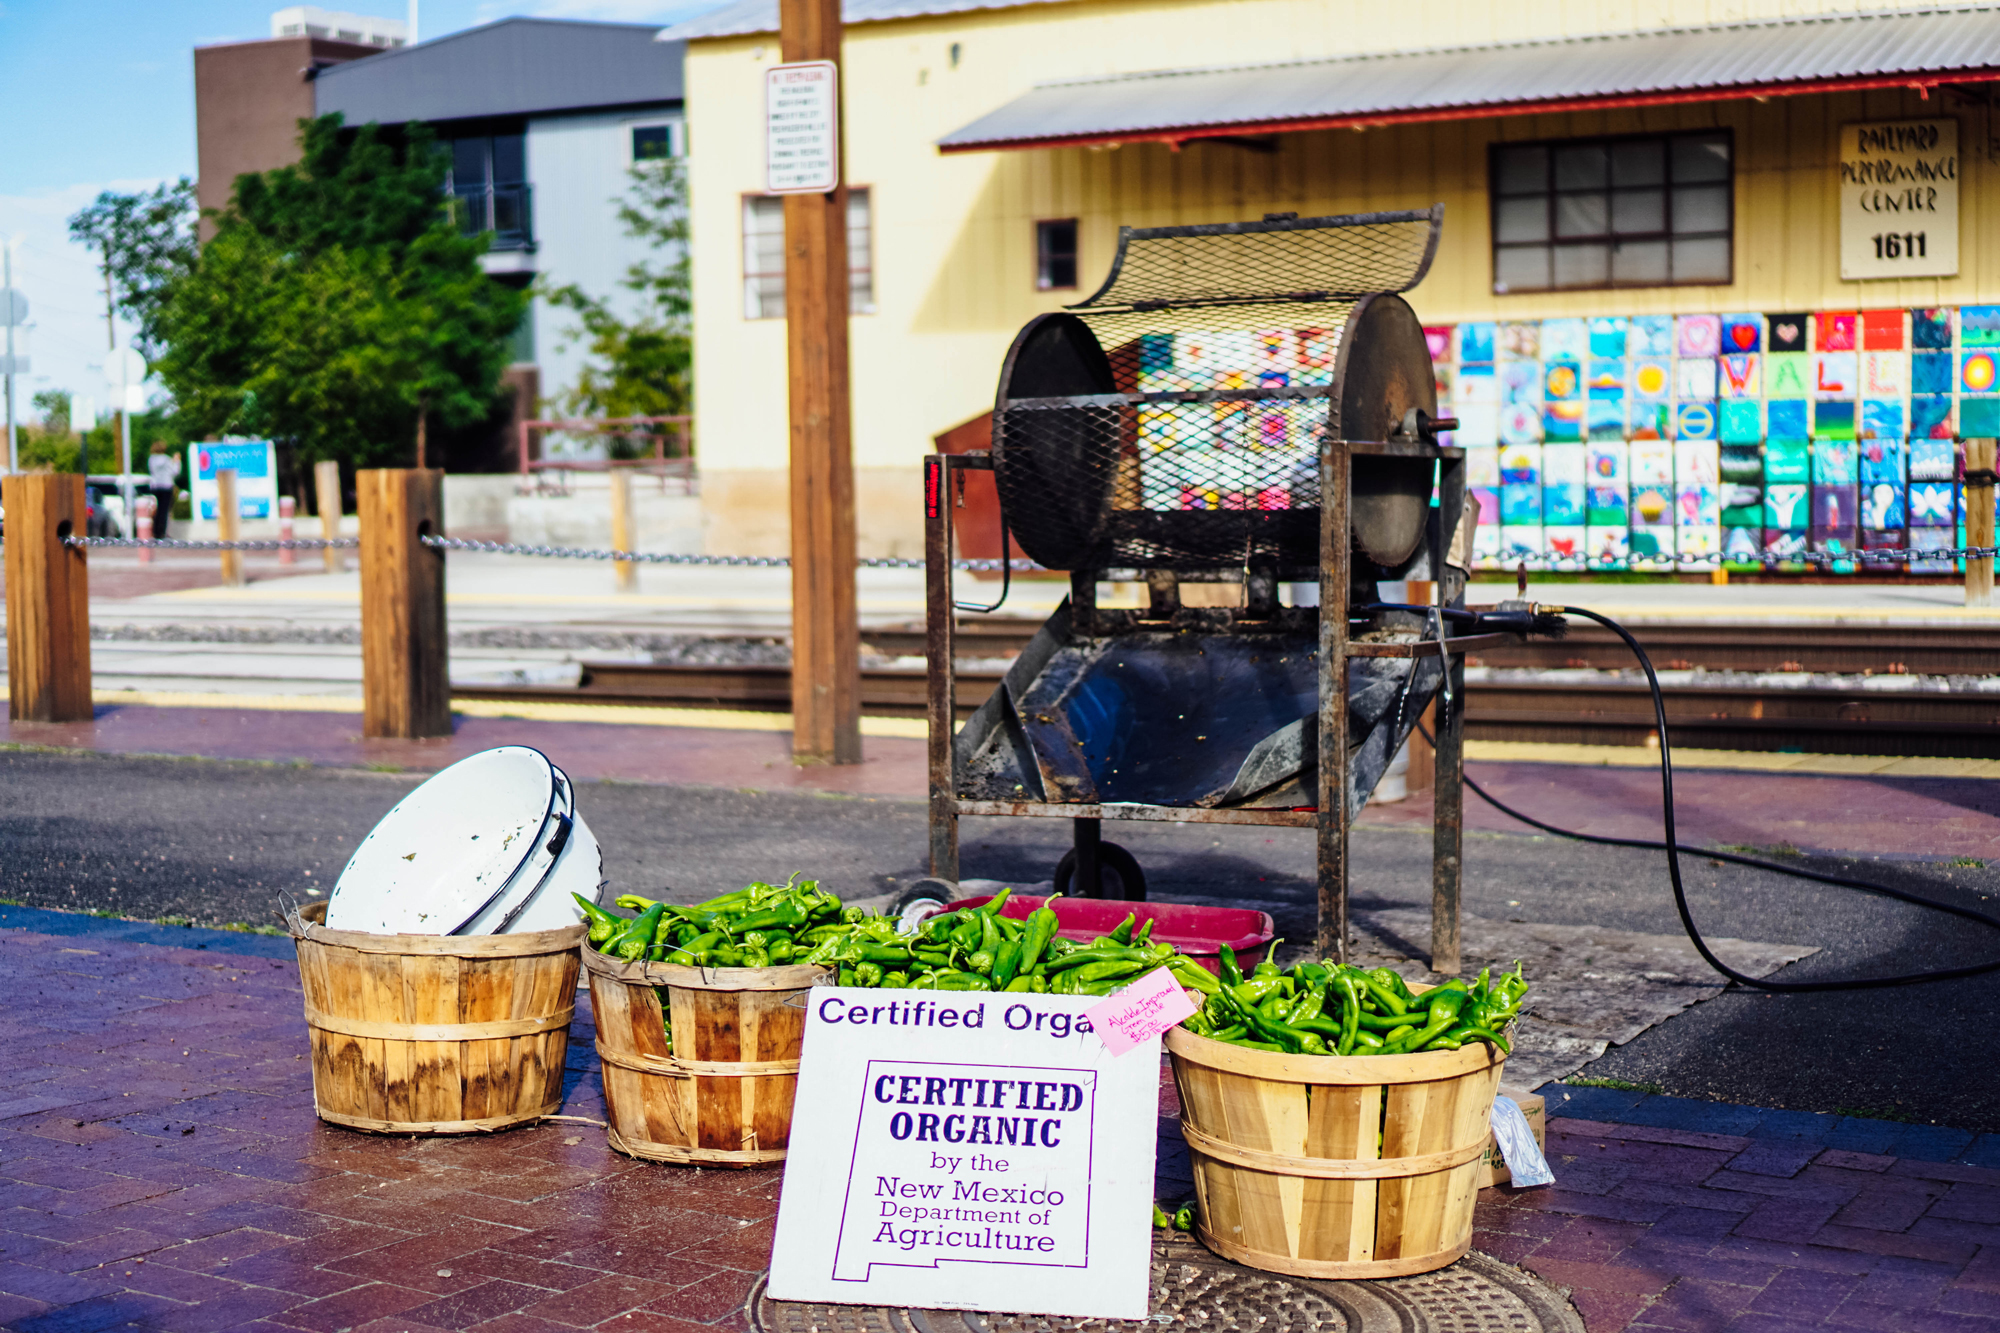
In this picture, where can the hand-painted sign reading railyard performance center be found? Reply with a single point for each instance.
(967, 1151)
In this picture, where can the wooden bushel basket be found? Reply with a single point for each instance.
(1286, 1167)
(435, 1034)
(723, 1095)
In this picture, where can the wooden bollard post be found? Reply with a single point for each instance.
(1979, 459)
(48, 599)
(229, 525)
(621, 530)
(326, 495)
(405, 680)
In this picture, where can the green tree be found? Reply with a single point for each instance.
(338, 307)
(146, 243)
(642, 366)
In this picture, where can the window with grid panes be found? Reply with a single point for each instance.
(764, 256)
(1652, 211)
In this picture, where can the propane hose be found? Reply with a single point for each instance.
(1671, 845)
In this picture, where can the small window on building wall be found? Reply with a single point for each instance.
(650, 142)
(1055, 255)
(1656, 211)
(764, 256)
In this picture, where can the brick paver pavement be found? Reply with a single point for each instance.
(161, 1168)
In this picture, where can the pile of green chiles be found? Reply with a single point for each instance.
(760, 925)
(1336, 1009)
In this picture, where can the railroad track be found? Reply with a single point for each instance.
(1819, 720)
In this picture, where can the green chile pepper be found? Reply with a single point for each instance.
(603, 925)
(1232, 975)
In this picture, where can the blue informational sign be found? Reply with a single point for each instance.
(256, 466)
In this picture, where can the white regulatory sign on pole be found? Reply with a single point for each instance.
(1899, 199)
(968, 1150)
(802, 128)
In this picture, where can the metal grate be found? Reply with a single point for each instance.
(1176, 419)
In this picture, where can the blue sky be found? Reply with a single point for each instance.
(99, 94)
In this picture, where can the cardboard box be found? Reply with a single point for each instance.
(1492, 1167)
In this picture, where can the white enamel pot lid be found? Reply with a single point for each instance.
(510, 899)
(448, 847)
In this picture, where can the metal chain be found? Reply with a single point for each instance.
(176, 544)
(1558, 564)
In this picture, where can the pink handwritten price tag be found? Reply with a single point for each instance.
(1144, 1009)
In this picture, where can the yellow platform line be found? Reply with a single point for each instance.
(1750, 761)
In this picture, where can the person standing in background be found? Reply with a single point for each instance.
(163, 470)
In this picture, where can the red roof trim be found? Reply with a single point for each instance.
(1178, 135)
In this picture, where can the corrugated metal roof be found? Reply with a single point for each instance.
(514, 67)
(746, 17)
(1776, 57)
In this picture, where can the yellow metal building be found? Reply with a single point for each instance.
(972, 128)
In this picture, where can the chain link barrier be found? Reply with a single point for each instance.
(1818, 559)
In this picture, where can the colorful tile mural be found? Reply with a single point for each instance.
(1656, 441)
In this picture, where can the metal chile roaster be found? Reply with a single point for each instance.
(1247, 404)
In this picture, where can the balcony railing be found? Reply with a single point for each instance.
(505, 210)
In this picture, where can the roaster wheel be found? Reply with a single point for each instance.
(1118, 874)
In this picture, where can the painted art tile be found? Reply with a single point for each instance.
(1787, 460)
(1521, 465)
(1605, 379)
(1604, 418)
(1877, 539)
(1834, 463)
(1521, 545)
(1882, 460)
(1740, 375)
(1782, 544)
(1652, 506)
(1651, 464)
(1608, 547)
(1788, 375)
(1563, 422)
(1486, 537)
(1881, 421)
(1565, 340)
(1475, 384)
(1930, 372)
(1478, 424)
(1482, 466)
(1562, 381)
(1741, 465)
(1742, 333)
(1653, 545)
(1606, 501)
(1521, 382)
(1835, 374)
(1521, 340)
(1652, 379)
(1521, 423)
(1698, 546)
(1608, 336)
(1933, 460)
(1979, 326)
(1697, 335)
(1978, 372)
(1785, 506)
(1741, 545)
(1650, 335)
(1786, 418)
(1563, 483)
(1694, 379)
(1836, 507)
(1694, 421)
(1930, 327)
(1885, 374)
(1833, 420)
(1650, 421)
(1931, 417)
(1834, 330)
(1741, 421)
(1882, 506)
(1932, 504)
(1698, 463)
(1882, 330)
(1785, 333)
(1929, 539)
(1979, 418)
(1475, 342)
(1563, 545)
(1437, 338)
(1445, 376)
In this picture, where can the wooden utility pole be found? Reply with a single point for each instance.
(826, 638)
(1979, 463)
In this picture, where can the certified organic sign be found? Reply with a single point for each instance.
(801, 128)
(1899, 199)
(968, 1151)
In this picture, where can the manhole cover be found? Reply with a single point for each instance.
(1204, 1294)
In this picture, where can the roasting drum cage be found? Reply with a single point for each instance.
(1182, 426)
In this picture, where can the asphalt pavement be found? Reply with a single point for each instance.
(217, 841)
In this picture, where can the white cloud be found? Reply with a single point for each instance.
(64, 288)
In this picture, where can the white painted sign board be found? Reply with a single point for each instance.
(971, 1151)
(1899, 199)
(802, 127)
(256, 464)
